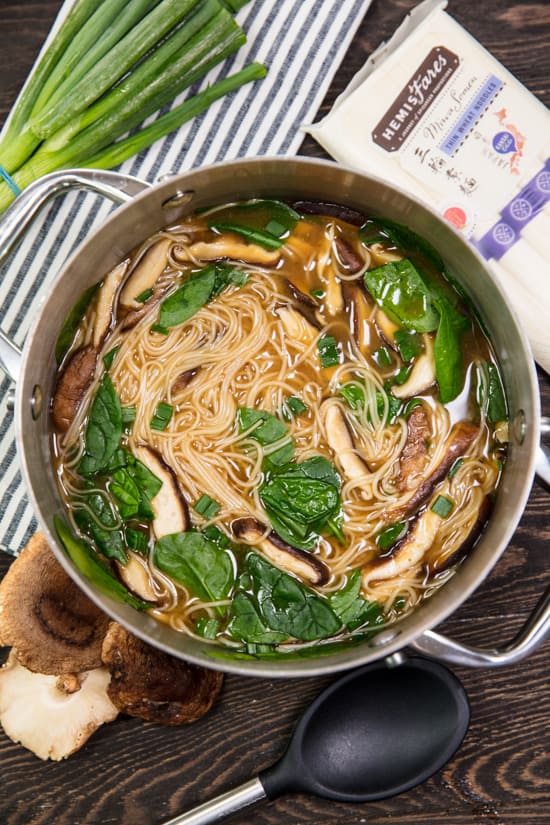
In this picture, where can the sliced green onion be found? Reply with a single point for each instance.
(455, 468)
(317, 293)
(162, 416)
(442, 506)
(144, 296)
(207, 507)
(293, 406)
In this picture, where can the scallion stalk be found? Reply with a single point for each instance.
(112, 66)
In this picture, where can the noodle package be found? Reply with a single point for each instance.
(434, 113)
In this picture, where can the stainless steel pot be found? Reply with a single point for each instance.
(146, 209)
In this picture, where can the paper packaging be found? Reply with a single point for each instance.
(434, 113)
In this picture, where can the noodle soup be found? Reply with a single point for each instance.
(276, 425)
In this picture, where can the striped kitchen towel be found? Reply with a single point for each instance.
(302, 42)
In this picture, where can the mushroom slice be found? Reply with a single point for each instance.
(422, 375)
(300, 296)
(406, 553)
(169, 505)
(303, 564)
(348, 257)
(360, 313)
(334, 300)
(297, 326)
(414, 455)
(105, 303)
(386, 327)
(71, 388)
(183, 380)
(146, 273)
(135, 576)
(462, 435)
(50, 721)
(229, 247)
(150, 684)
(341, 442)
(43, 614)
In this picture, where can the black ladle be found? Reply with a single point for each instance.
(374, 733)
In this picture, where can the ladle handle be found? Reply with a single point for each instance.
(223, 805)
(532, 634)
(17, 218)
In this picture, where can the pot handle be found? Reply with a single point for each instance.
(533, 633)
(17, 217)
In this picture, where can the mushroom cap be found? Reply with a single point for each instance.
(51, 623)
(150, 684)
(48, 718)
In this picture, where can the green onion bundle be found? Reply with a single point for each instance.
(109, 67)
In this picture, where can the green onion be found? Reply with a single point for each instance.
(109, 67)
(328, 351)
(162, 416)
(317, 293)
(442, 506)
(455, 468)
(207, 507)
(293, 406)
(144, 296)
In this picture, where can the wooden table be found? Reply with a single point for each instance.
(131, 773)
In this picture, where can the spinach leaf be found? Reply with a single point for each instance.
(491, 398)
(227, 275)
(257, 236)
(447, 351)
(390, 535)
(402, 237)
(98, 519)
(269, 430)
(84, 558)
(126, 493)
(398, 288)
(147, 481)
(351, 608)
(287, 606)
(71, 323)
(103, 430)
(196, 562)
(328, 351)
(207, 628)
(302, 499)
(276, 211)
(247, 625)
(188, 299)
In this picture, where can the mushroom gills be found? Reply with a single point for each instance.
(414, 455)
(50, 721)
(305, 565)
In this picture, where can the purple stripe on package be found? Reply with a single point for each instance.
(497, 241)
(528, 203)
(516, 214)
(467, 121)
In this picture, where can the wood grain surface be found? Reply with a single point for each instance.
(131, 773)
